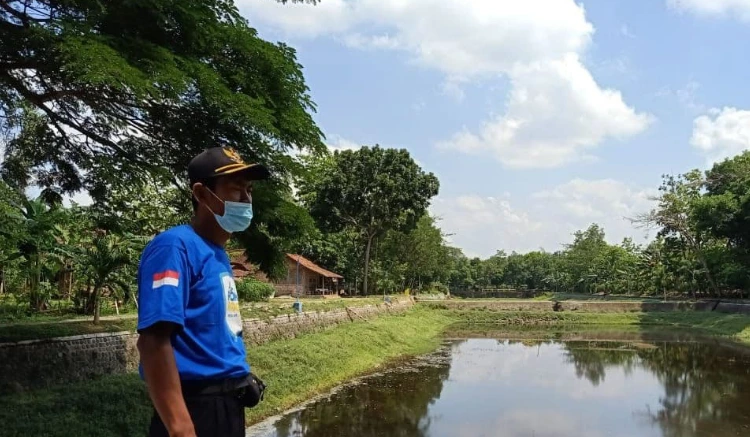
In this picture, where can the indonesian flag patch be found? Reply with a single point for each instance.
(167, 277)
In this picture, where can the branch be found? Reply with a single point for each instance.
(36, 100)
(23, 18)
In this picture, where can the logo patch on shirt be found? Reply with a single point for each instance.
(232, 301)
(167, 277)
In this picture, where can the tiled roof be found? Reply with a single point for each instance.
(306, 263)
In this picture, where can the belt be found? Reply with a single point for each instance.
(213, 386)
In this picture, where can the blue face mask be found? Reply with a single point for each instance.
(237, 215)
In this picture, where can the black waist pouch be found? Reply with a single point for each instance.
(252, 394)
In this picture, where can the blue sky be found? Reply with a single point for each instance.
(539, 117)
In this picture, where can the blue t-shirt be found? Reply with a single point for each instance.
(187, 280)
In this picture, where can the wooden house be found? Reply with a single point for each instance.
(313, 279)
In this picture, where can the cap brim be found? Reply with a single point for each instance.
(253, 172)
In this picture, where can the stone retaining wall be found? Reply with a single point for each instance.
(40, 363)
(35, 364)
(729, 307)
(582, 306)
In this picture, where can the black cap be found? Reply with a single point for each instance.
(221, 161)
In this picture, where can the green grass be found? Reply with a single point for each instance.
(297, 369)
(735, 326)
(294, 370)
(558, 297)
(13, 310)
(41, 327)
(29, 331)
(276, 307)
(111, 406)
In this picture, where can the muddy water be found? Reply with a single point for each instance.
(626, 385)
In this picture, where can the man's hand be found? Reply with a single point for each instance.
(163, 380)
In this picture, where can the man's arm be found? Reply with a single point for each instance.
(162, 379)
(163, 289)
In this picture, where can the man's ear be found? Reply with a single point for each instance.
(199, 192)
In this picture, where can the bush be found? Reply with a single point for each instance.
(438, 287)
(253, 290)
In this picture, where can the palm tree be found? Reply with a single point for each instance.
(102, 259)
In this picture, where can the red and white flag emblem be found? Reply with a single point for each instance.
(167, 277)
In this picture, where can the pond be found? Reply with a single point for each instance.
(617, 384)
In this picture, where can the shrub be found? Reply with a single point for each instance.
(438, 287)
(253, 290)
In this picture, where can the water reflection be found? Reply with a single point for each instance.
(392, 404)
(617, 386)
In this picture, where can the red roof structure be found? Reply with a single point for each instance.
(313, 267)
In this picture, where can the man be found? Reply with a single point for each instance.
(192, 354)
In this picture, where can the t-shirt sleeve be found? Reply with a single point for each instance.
(162, 286)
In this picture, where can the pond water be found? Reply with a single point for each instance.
(621, 386)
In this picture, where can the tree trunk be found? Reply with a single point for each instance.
(367, 263)
(699, 253)
(709, 276)
(35, 299)
(95, 300)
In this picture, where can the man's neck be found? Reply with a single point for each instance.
(210, 231)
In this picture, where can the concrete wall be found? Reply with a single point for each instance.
(730, 307)
(582, 306)
(42, 363)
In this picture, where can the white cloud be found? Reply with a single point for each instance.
(546, 219)
(715, 8)
(722, 133)
(460, 38)
(339, 143)
(556, 112)
(359, 41)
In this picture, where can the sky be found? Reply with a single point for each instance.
(539, 117)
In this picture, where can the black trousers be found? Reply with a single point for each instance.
(219, 415)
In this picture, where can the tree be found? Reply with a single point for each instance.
(102, 258)
(421, 254)
(461, 275)
(675, 215)
(723, 212)
(92, 93)
(371, 190)
(581, 256)
(141, 207)
(40, 238)
(10, 230)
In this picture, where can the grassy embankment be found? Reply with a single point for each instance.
(62, 324)
(298, 369)
(731, 326)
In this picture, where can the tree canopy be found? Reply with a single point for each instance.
(371, 190)
(96, 96)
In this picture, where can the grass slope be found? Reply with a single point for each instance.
(735, 326)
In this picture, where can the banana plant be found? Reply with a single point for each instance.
(39, 236)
